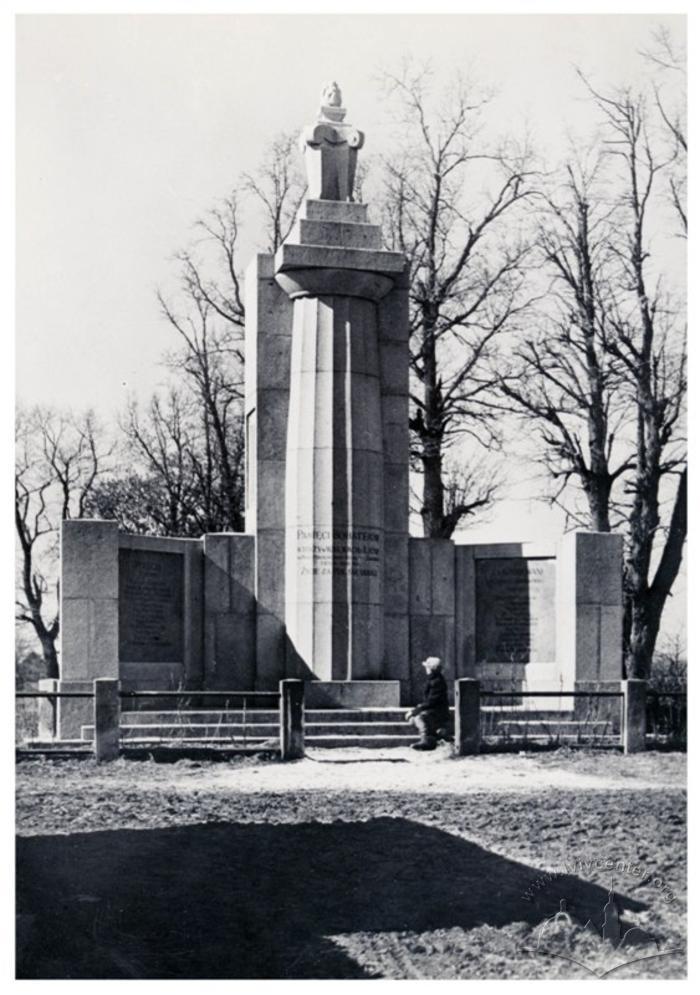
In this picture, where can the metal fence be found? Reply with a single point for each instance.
(512, 719)
(114, 730)
(667, 719)
(180, 718)
(632, 718)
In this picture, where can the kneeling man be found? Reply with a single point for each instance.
(432, 716)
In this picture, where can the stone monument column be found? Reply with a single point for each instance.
(333, 268)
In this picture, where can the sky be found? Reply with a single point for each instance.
(130, 126)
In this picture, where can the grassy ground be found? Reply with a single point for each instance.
(335, 867)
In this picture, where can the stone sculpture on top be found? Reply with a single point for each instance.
(330, 149)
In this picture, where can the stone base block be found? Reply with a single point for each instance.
(74, 713)
(352, 694)
(601, 709)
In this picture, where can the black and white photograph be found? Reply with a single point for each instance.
(350, 448)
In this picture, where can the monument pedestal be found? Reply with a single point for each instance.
(352, 694)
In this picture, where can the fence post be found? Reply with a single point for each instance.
(47, 710)
(107, 716)
(634, 716)
(467, 717)
(291, 719)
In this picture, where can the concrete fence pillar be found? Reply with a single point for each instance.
(107, 716)
(291, 719)
(634, 717)
(467, 716)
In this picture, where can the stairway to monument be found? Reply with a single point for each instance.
(369, 727)
(346, 727)
(336, 727)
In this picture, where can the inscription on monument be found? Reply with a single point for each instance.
(151, 587)
(515, 610)
(340, 552)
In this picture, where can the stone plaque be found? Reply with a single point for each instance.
(151, 588)
(515, 610)
(340, 552)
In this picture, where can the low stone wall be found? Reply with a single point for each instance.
(521, 616)
(184, 613)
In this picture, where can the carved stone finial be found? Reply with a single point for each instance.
(331, 95)
(330, 149)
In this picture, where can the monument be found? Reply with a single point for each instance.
(326, 583)
(336, 273)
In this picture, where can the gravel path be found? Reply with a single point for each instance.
(392, 770)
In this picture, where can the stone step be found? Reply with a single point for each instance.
(212, 716)
(565, 724)
(240, 730)
(209, 716)
(358, 729)
(270, 741)
(218, 734)
(540, 738)
(54, 744)
(199, 731)
(372, 742)
(337, 727)
(527, 714)
(557, 728)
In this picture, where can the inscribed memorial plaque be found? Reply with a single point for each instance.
(515, 610)
(151, 589)
(341, 552)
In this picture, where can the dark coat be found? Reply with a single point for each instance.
(435, 702)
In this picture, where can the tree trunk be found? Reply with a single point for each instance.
(431, 435)
(642, 635)
(432, 511)
(598, 484)
(645, 604)
(598, 495)
(48, 648)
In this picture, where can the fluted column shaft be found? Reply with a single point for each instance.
(334, 489)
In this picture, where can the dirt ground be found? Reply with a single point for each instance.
(353, 865)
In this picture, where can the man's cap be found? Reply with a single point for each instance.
(432, 662)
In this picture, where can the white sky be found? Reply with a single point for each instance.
(129, 127)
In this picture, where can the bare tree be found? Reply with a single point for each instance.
(279, 186)
(563, 379)
(175, 485)
(214, 284)
(161, 441)
(650, 345)
(58, 458)
(136, 500)
(470, 488)
(603, 378)
(669, 62)
(466, 274)
(207, 367)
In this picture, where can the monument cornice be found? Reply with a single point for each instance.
(318, 270)
(325, 282)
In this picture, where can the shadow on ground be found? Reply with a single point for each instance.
(223, 900)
